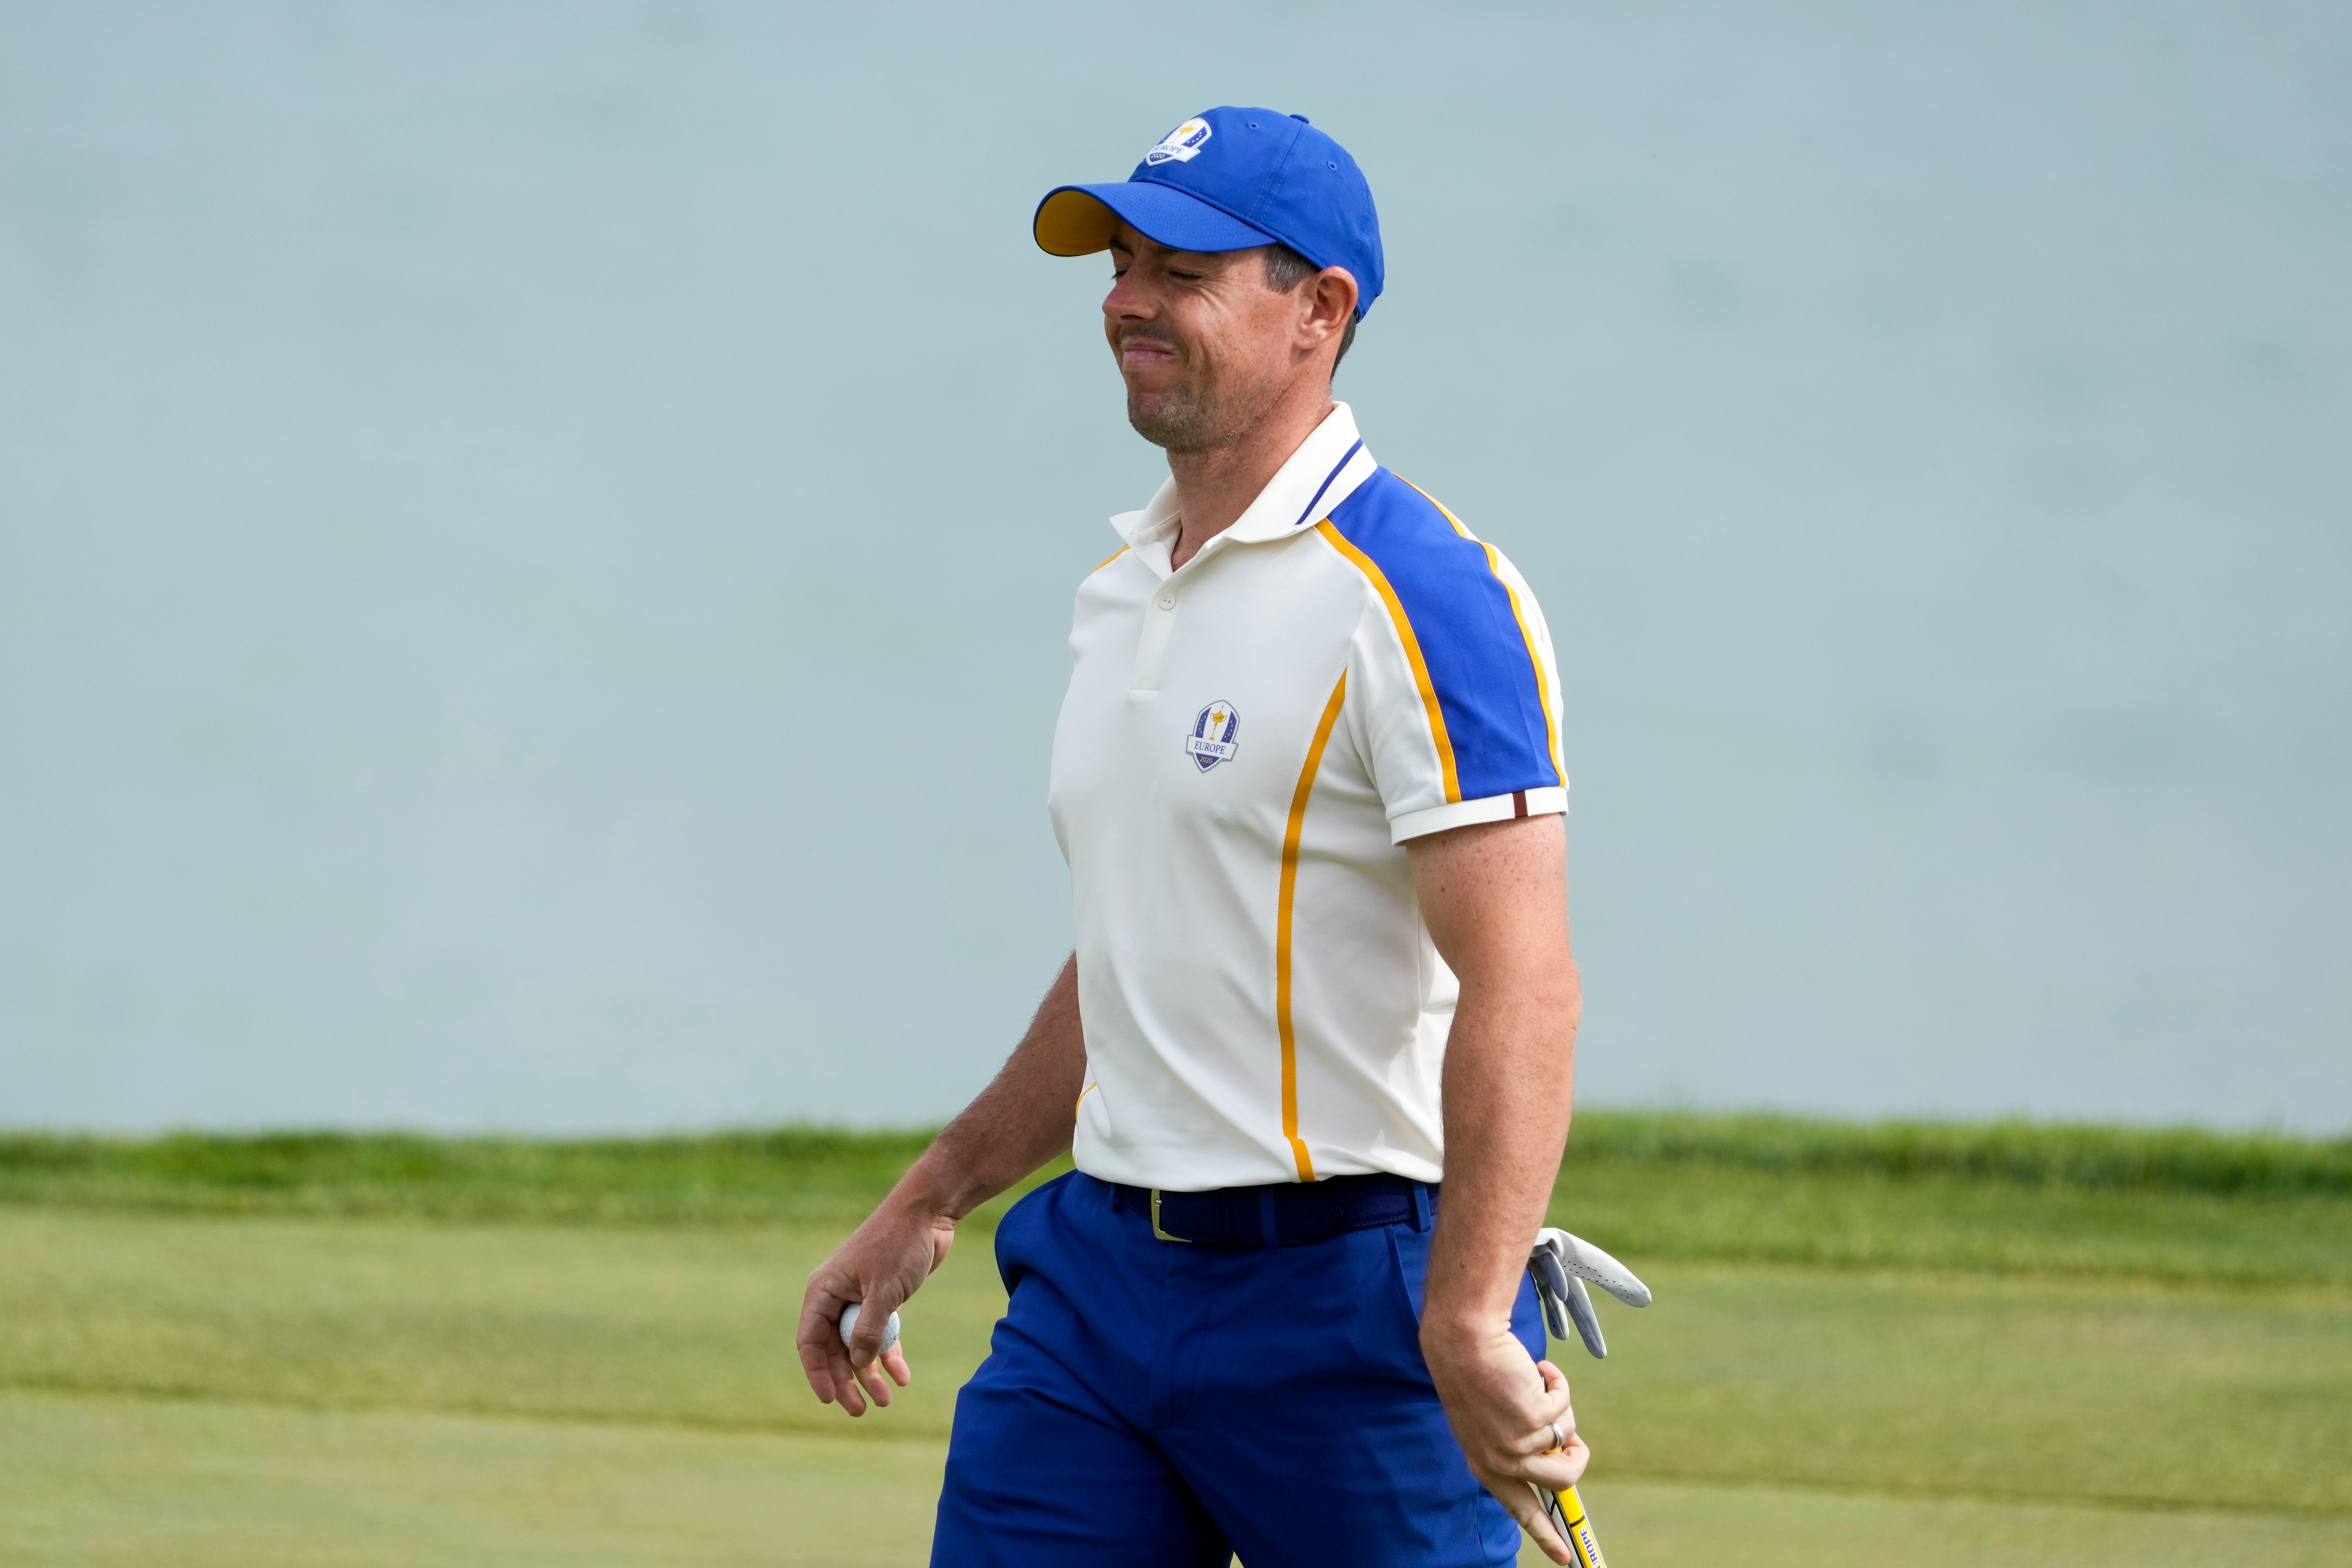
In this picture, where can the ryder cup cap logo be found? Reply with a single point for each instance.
(1211, 740)
(1181, 145)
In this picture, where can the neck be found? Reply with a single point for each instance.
(1215, 485)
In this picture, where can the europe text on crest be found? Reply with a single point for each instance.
(1181, 145)
(1211, 740)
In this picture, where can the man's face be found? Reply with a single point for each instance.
(1206, 345)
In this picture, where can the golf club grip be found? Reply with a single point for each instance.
(1566, 1510)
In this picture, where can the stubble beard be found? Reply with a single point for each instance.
(1180, 420)
(1192, 418)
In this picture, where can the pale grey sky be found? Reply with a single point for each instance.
(536, 542)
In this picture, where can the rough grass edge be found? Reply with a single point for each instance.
(2087, 1156)
(721, 1169)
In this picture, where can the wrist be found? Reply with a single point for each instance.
(1458, 1331)
(1465, 1307)
(933, 1190)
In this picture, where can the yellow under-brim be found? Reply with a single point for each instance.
(1079, 220)
(1072, 222)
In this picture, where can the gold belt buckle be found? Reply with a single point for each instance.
(1155, 1222)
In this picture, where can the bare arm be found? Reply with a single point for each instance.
(1019, 1122)
(1495, 899)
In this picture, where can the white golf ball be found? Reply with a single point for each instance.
(849, 1323)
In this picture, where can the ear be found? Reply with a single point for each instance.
(1329, 305)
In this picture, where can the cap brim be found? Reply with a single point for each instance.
(1078, 219)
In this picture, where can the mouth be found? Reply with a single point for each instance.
(1137, 352)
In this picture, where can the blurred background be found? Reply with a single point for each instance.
(536, 542)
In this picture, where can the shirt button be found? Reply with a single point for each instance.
(1167, 601)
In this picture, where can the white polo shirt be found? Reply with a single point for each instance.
(1246, 746)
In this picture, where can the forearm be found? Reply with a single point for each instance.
(1508, 1088)
(1022, 1120)
(1496, 898)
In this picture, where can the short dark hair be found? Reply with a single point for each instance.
(1285, 269)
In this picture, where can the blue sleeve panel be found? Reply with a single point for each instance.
(1470, 640)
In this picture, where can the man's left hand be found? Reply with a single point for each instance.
(1507, 1410)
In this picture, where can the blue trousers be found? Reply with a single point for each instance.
(1146, 1403)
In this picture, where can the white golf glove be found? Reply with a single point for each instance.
(1562, 1263)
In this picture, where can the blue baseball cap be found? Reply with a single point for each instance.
(1231, 179)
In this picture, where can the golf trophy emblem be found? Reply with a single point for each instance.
(1181, 145)
(1211, 740)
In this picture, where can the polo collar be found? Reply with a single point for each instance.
(1325, 470)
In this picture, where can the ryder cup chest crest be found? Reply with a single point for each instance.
(1181, 145)
(1211, 740)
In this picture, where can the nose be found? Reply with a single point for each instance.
(1128, 301)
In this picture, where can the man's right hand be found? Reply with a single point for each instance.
(884, 1261)
(1021, 1120)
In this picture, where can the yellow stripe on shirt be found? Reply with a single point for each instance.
(1285, 901)
(1364, 564)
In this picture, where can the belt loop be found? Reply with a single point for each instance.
(1265, 1217)
(1420, 1207)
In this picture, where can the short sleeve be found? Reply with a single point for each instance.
(1452, 698)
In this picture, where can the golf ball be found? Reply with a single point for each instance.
(849, 1321)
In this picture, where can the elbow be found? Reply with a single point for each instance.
(1552, 1001)
(1563, 991)
(1563, 1000)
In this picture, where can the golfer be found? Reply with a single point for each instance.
(1313, 1050)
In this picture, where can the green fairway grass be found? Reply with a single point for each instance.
(128, 1484)
(86, 1482)
(217, 1351)
(1903, 1381)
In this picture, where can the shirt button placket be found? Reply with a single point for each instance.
(1151, 648)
